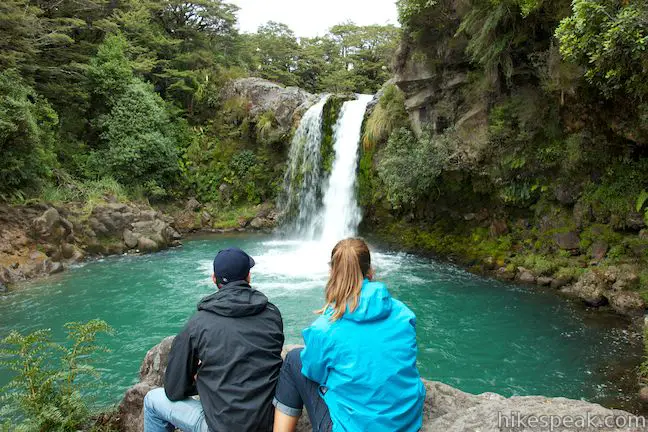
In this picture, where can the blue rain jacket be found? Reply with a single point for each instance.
(367, 362)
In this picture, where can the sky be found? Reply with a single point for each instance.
(314, 17)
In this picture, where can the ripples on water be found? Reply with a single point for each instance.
(475, 334)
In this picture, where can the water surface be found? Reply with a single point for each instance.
(475, 334)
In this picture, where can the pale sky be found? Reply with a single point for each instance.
(313, 17)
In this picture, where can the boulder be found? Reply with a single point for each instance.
(261, 223)
(7, 276)
(643, 393)
(498, 228)
(627, 303)
(52, 267)
(145, 244)
(446, 408)
(505, 274)
(599, 249)
(67, 250)
(635, 221)
(591, 288)
(544, 281)
(193, 205)
(567, 194)
(51, 226)
(130, 239)
(151, 375)
(525, 276)
(559, 283)
(567, 241)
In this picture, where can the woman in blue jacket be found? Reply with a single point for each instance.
(358, 369)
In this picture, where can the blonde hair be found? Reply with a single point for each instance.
(350, 265)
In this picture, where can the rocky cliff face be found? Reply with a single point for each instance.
(285, 105)
(41, 239)
(446, 408)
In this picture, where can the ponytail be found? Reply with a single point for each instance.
(350, 265)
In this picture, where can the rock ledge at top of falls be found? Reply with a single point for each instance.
(446, 408)
(287, 104)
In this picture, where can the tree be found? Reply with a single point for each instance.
(275, 51)
(27, 126)
(609, 38)
(138, 139)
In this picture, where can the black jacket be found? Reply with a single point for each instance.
(237, 335)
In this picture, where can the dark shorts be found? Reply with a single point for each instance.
(295, 391)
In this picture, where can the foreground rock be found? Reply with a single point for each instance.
(446, 408)
(41, 239)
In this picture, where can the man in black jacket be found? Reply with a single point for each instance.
(229, 353)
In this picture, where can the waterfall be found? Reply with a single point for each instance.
(341, 213)
(302, 182)
(316, 206)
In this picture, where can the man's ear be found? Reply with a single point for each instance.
(214, 279)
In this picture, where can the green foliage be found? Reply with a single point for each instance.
(110, 71)
(26, 136)
(609, 38)
(86, 191)
(330, 115)
(544, 265)
(139, 141)
(614, 197)
(409, 165)
(229, 218)
(388, 115)
(46, 395)
(349, 58)
(642, 200)
(643, 369)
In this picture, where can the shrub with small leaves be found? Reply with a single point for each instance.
(409, 165)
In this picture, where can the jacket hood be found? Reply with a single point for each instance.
(375, 303)
(236, 299)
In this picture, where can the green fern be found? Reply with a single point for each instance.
(42, 394)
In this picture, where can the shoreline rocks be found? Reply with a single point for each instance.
(41, 239)
(446, 408)
(195, 217)
(613, 287)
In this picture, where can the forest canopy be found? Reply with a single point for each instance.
(129, 90)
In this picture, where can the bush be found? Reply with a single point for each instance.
(48, 397)
(409, 165)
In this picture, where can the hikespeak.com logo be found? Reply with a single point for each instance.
(516, 421)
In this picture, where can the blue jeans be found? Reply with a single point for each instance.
(295, 391)
(162, 415)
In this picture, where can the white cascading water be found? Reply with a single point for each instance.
(302, 182)
(341, 214)
(319, 210)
